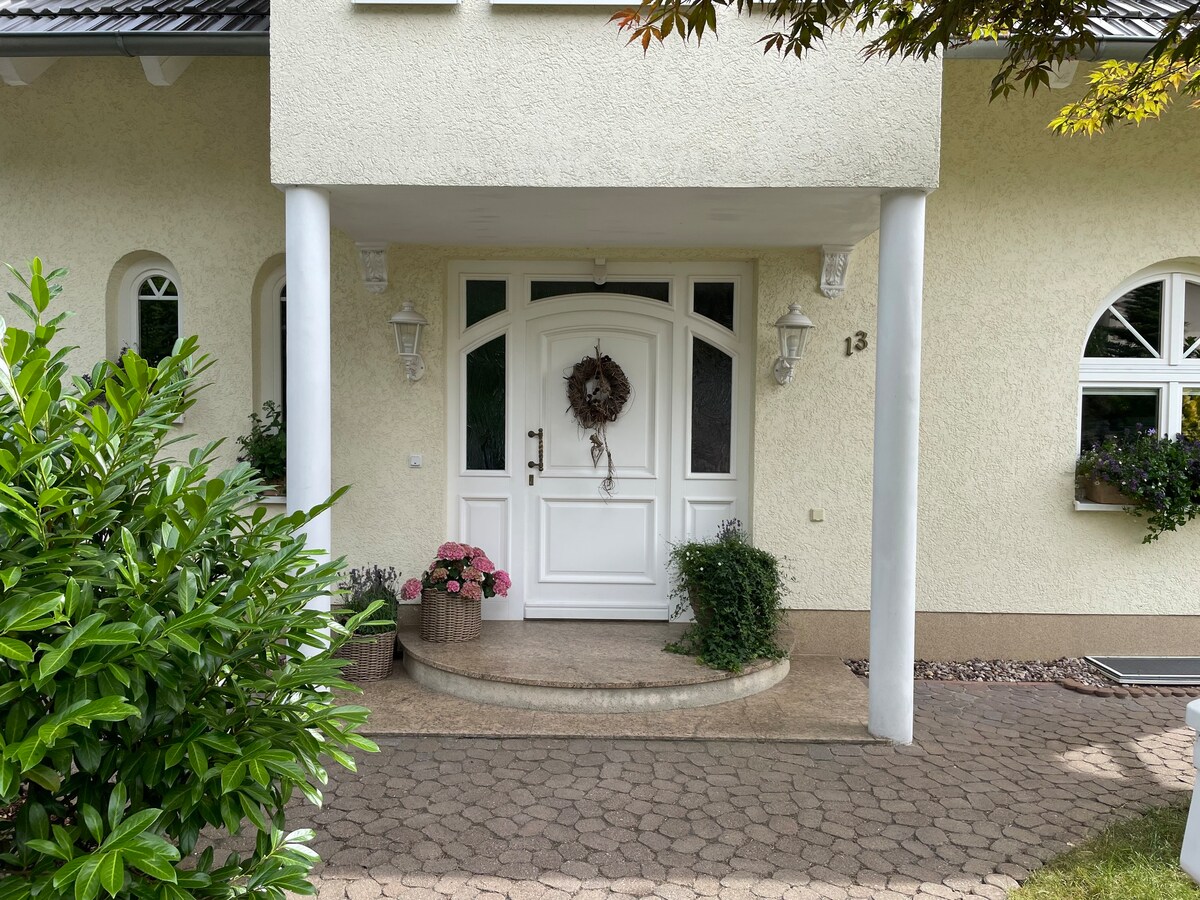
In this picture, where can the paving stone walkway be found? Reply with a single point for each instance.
(1000, 778)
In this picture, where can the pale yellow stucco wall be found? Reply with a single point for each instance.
(97, 164)
(1026, 236)
(475, 93)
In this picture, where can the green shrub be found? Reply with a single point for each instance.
(735, 590)
(161, 670)
(265, 447)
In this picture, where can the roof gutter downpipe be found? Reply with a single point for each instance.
(136, 43)
(1126, 49)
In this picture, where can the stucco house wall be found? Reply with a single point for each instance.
(478, 94)
(97, 164)
(1026, 237)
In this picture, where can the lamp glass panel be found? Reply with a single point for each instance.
(486, 406)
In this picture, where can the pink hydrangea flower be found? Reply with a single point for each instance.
(439, 574)
(484, 565)
(451, 550)
(503, 583)
(471, 591)
(470, 573)
(453, 587)
(411, 589)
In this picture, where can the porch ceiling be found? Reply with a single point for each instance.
(605, 216)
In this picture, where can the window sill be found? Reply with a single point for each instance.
(273, 500)
(1088, 506)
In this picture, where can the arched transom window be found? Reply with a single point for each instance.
(1141, 362)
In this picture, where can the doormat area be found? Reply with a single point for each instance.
(1152, 670)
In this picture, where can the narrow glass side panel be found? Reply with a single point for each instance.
(714, 300)
(486, 411)
(485, 298)
(712, 409)
(1142, 309)
(1111, 412)
(651, 290)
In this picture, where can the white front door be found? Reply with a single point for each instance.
(594, 554)
(682, 334)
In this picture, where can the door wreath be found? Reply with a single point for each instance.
(598, 390)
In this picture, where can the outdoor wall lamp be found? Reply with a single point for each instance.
(793, 327)
(408, 324)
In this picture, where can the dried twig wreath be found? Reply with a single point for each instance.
(598, 390)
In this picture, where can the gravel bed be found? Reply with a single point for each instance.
(1005, 670)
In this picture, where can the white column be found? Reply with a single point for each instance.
(894, 493)
(309, 434)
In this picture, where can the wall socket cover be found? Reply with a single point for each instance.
(414, 461)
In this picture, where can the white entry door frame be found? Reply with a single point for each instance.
(681, 448)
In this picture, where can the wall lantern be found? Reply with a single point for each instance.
(793, 327)
(408, 324)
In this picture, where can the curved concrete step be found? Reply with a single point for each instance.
(579, 667)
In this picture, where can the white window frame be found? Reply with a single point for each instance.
(270, 374)
(128, 325)
(1172, 374)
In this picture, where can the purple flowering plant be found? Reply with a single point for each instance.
(1160, 476)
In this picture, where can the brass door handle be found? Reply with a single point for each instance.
(540, 435)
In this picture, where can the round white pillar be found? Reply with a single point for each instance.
(894, 491)
(309, 429)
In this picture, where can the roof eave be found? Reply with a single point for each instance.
(1130, 49)
(135, 43)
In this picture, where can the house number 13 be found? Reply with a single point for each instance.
(856, 343)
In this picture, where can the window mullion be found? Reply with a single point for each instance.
(1172, 413)
(1173, 331)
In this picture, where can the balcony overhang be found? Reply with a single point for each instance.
(606, 217)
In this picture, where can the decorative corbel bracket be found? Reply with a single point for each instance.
(19, 71)
(1062, 74)
(374, 266)
(835, 261)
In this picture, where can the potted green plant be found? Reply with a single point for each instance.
(452, 590)
(373, 644)
(265, 447)
(1153, 477)
(735, 591)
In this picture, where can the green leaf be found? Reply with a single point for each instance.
(112, 873)
(87, 880)
(11, 648)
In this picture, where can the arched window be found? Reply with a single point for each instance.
(272, 340)
(150, 309)
(1141, 361)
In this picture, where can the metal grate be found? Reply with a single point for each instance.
(1149, 669)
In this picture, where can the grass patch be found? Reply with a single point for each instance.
(1133, 860)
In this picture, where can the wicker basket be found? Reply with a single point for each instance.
(370, 656)
(445, 618)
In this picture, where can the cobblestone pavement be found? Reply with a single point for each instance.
(1000, 778)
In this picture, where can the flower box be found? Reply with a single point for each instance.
(1098, 491)
(370, 656)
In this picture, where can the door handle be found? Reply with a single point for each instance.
(540, 435)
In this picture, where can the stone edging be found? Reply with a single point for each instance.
(1129, 690)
